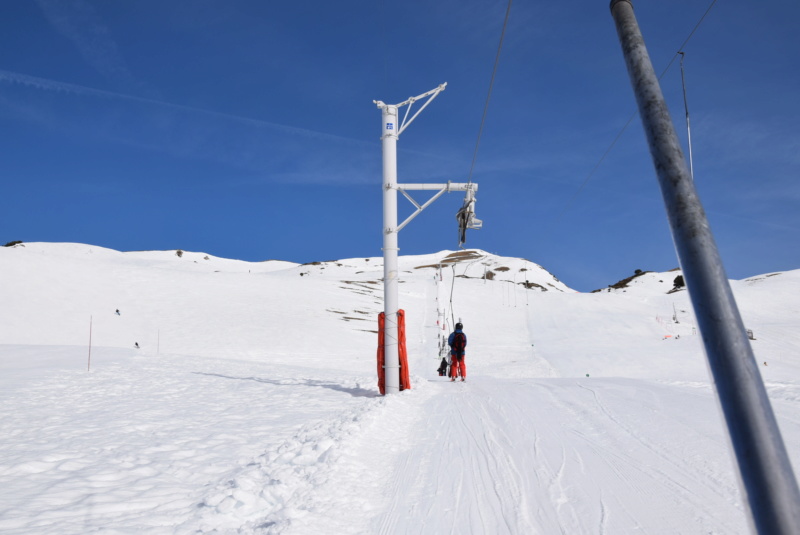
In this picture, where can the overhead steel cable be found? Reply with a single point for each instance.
(489, 94)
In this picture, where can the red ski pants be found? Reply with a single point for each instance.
(456, 365)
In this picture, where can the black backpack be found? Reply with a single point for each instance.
(459, 344)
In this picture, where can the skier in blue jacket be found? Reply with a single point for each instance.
(458, 343)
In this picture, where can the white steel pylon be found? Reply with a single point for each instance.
(390, 131)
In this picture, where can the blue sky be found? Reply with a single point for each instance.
(246, 129)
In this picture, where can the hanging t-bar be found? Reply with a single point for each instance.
(466, 215)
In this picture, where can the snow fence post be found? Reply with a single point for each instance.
(767, 480)
(89, 365)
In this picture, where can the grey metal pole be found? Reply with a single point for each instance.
(768, 481)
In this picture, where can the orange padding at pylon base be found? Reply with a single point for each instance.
(405, 381)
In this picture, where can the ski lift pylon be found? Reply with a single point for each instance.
(391, 128)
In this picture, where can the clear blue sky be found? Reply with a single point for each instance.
(246, 129)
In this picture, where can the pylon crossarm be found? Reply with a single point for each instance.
(411, 100)
(432, 94)
(470, 188)
(419, 208)
(410, 198)
(450, 186)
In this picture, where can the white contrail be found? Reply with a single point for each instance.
(78, 22)
(80, 90)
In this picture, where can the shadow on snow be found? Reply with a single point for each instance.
(355, 392)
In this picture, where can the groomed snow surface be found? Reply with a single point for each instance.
(251, 405)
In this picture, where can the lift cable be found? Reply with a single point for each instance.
(466, 215)
(489, 95)
(628, 122)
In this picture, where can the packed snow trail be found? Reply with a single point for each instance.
(565, 456)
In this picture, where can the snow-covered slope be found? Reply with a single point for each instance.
(251, 405)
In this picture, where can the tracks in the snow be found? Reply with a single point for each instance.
(564, 456)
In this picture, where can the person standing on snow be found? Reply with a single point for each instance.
(458, 343)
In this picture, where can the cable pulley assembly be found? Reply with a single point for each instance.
(466, 216)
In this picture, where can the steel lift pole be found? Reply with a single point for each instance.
(390, 249)
(767, 479)
(391, 128)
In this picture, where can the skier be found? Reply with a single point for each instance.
(458, 343)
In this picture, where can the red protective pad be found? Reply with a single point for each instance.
(405, 381)
(381, 373)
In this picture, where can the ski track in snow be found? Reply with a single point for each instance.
(245, 423)
(493, 462)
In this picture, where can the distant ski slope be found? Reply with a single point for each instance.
(251, 405)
